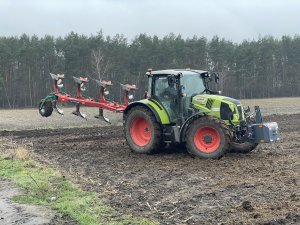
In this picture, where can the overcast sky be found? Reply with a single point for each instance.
(234, 20)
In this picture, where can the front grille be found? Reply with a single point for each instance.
(209, 103)
(225, 112)
(238, 105)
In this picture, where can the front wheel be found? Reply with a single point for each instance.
(142, 132)
(243, 148)
(46, 107)
(208, 137)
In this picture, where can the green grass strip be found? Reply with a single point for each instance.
(44, 186)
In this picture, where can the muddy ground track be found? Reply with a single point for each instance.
(262, 187)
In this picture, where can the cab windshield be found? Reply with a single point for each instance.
(192, 84)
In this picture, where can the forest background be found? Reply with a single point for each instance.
(262, 68)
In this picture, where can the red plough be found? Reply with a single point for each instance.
(49, 103)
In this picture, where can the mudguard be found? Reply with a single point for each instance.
(157, 109)
(186, 123)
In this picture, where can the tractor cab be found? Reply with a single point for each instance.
(174, 90)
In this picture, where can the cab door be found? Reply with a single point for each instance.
(166, 95)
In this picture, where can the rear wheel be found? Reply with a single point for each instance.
(46, 107)
(142, 132)
(208, 137)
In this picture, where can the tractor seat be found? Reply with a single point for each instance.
(128, 87)
(103, 83)
(57, 76)
(80, 80)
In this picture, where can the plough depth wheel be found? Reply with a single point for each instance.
(46, 107)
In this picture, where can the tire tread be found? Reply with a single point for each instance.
(157, 141)
(228, 135)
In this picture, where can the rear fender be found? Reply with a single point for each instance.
(158, 111)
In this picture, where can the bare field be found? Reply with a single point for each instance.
(262, 187)
(23, 119)
(276, 106)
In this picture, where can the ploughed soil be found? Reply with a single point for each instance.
(262, 187)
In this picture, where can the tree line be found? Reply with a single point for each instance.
(267, 67)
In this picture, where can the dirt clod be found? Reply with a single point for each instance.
(247, 206)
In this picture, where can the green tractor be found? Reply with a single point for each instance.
(179, 108)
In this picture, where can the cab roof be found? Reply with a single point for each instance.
(175, 72)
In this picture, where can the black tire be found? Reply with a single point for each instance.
(46, 107)
(208, 137)
(134, 137)
(244, 147)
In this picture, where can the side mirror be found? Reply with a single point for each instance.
(146, 95)
(216, 77)
(182, 89)
(179, 75)
(205, 75)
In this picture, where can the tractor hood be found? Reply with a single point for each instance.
(202, 99)
(219, 106)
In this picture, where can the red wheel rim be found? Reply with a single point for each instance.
(207, 139)
(140, 131)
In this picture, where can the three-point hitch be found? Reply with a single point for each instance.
(49, 103)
